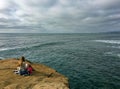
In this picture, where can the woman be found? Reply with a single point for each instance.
(23, 66)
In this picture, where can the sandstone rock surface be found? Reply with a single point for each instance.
(42, 78)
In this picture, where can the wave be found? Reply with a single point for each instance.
(33, 46)
(2, 58)
(118, 55)
(49, 44)
(109, 41)
(117, 47)
(4, 49)
(112, 54)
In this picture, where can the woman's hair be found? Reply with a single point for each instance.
(21, 60)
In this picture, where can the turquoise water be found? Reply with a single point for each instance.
(90, 61)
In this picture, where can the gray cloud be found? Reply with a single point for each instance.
(59, 16)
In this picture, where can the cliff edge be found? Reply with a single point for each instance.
(42, 78)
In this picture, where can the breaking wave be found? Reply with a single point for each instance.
(33, 46)
(109, 41)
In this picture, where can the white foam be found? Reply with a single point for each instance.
(12, 48)
(4, 49)
(117, 47)
(112, 54)
(108, 53)
(109, 41)
(2, 58)
(118, 55)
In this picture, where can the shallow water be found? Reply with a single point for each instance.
(90, 61)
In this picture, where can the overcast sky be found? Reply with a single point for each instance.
(59, 16)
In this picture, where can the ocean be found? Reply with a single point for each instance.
(89, 60)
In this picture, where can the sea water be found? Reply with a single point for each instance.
(90, 61)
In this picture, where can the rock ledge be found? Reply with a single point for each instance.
(42, 78)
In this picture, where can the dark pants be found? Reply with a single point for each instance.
(23, 72)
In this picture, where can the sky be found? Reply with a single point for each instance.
(59, 16)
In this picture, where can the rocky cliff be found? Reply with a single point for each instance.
(42, 78)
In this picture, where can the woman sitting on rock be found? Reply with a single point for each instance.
(23, 67)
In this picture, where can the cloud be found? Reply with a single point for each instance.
(59, 16)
